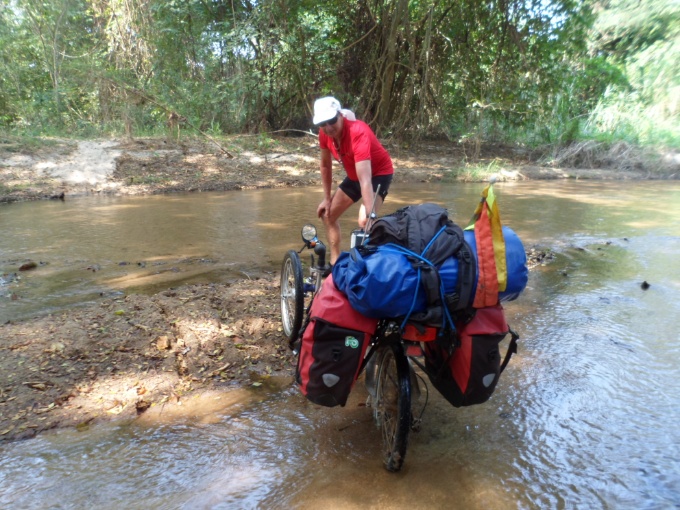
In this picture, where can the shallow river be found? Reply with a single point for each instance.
(584, 417)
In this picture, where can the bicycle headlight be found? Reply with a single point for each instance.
(308, 233)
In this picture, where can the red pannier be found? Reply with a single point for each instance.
(333, 347)
(468, 375)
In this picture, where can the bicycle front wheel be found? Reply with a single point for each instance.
(292, 295)
(392, 409)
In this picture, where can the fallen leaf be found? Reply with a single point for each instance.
(40, 386)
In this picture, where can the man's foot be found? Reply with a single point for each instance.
(327, 271)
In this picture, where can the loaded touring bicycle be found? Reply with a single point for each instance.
(416, 296)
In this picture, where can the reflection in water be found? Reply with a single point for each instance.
(584, 417)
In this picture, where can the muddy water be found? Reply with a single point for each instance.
(86, 248)
(585, 416)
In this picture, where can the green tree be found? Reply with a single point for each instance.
(471, 70)
(641, 39)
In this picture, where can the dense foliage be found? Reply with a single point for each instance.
(522, 70)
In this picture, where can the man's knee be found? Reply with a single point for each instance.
(333, 219)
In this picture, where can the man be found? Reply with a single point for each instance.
(365, 160)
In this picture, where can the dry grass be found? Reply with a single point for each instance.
(619, 156)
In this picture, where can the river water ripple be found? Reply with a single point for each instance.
(584, 417)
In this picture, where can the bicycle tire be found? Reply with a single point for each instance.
(292, 295)
(393, 404)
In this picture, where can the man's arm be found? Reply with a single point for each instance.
(365, 175)
(326, 167)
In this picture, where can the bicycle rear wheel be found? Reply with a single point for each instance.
(392, 408)
(292, 295)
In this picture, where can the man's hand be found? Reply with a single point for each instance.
(324, 208)
(364, 221)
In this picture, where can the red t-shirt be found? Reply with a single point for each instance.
(358, 143)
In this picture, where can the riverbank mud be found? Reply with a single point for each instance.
(61, 168)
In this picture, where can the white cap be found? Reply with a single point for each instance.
(325, 109)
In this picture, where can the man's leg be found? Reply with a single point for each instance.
(339, 204)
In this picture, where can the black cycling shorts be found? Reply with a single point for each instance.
(353, 189)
